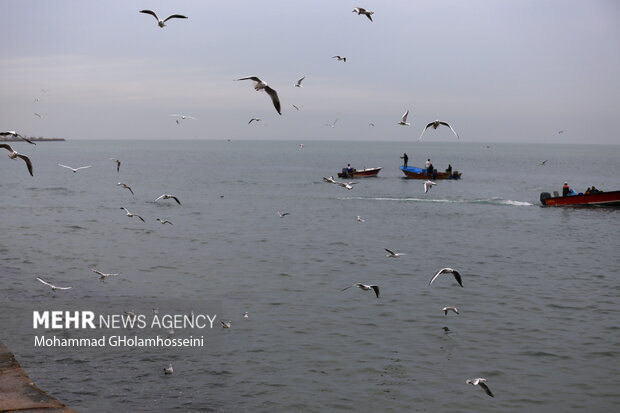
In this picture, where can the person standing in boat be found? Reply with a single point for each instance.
(405, 158)
(565, 189)
(429, 167)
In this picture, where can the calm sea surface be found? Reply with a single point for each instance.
(538, 312)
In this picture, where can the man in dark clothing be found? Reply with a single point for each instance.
(405, 158)
(565, 189)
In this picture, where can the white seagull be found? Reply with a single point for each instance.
(16, 135)
(103, 276)
(347, 185)
(260, 85)
(332, 125)
(330, 180)
(182, 117)
(364, 287)
(118, 164)
(403, 121)
(482, 383)
(125, 186)
(360, 219)
(446, 309)
(428, 185)
(456, 274)
(75, 169)
(255, 119)
(244, 315)
(435, 124)
(283, 214)
(168, 196)
(39, 115)
(360, 11)
(169, 369)
(226, 325)
(130, 215)
(298, 84)
(344, 59)
(164, 221)
(52, 286)
(393, 254)
(14, 155)
(160, 22)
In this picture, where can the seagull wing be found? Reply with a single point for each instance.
(176, 199)
(437, 275)
(368, 15)
(68, 167)
(274, 98)
(424, 130)
(83, 167)
(28, 163)
(160, 197)
(452, 129)
(152, 13)
(485, 388)
(390, 252)
(142, 219)
(376, 289)
(457, 276)
(26, 139)
(7, 147)
(405, 116)
(63, 288)
(346, 288)
(46, 283)
(175, 16)
(299, 81)
(97, 272)
(129, 190)
(254, 78)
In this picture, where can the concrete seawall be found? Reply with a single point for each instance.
(18, 393)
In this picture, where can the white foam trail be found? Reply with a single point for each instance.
(493, 201)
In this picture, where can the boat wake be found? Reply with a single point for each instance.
(486, 201)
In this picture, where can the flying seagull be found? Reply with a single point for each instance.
(130, 215)
(182, 117)
(360, 219)
(393, 254)
(456, 274)
(52, 286)
(169, 369)
(75, 169)
(260, 85)
(298, 84)
(164, 221)
(118, 164)
(14, 155)
(446, 309)
(245, 315)
(347, 185)
(333, 124)
(428, 185)
(403, 121)
(160, 22)
(435, 124)
(364, 287)
(360, 11)
(16, 135)
(226, 325)
(330, 180)
(167, 196)
(103, 276)
(283, 214)
(480, 382)
(298, 107)
(344, 59)
(125, 186)
(39, 115)
(255, 119)
(543, 162)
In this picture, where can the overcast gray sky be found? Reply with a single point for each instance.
(497, 70)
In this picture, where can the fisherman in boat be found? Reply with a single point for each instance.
(429, 167)
(405, 158)
(565, 189)
(449, 169)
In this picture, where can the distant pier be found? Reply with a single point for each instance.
(18, 394)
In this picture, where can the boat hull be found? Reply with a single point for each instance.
(360, 173)
(412, 172)
(596, 199)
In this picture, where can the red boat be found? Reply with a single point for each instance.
(597, 198)
(418, 173)
(359, 173)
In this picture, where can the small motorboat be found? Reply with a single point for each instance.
(359, 173)
(593, 199)
(418, 173)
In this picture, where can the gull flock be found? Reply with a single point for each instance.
(260, 86)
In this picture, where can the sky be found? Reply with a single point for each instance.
(496, 70)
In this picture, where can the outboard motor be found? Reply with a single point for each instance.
(544, 196)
